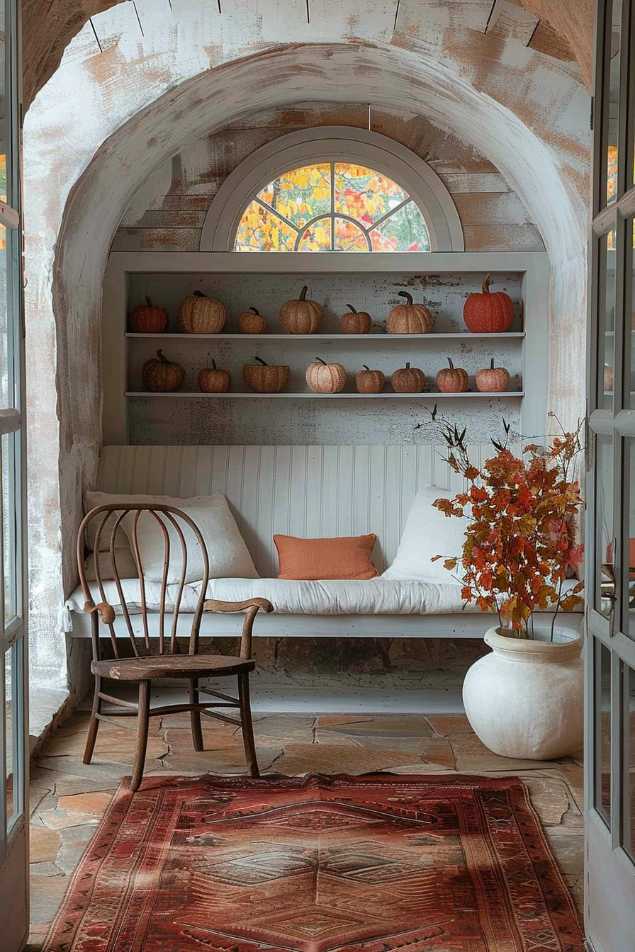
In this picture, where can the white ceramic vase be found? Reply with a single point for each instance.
(524, 699)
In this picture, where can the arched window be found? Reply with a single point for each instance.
(332, 206)
(332, 189)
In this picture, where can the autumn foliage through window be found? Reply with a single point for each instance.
(332, 206)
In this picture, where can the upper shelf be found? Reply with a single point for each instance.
(363, 338)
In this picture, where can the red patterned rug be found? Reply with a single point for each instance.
(419, 864)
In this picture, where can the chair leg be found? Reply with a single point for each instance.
(142, 734)
(195, 716)
(247, 726)
(93, 725)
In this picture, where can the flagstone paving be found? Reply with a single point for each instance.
(68, 798)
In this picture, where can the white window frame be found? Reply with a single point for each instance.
(333, 144)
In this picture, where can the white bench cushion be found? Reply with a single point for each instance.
(378, 596)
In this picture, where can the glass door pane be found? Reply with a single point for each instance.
(606, 320)
(613, 67)
(602, 732)
(604, 596)
(628, 559)
(628, 821)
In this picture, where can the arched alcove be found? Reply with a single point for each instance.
(381, 74)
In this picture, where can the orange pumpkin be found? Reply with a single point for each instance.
(148, 319)
(160, 375)
(488, 312)
(492, 379)
(452, 379)
(252, 322)
(409, 318)
(357, 322)
(265, 378)
(325, 378)
(213, 379)
(200, 314)
(408, 380)
(369, 381)
(301, 316)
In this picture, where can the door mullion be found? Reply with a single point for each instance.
(626, 739)
(616, 751)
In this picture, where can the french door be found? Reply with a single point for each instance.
(14, 823)
(610, 491)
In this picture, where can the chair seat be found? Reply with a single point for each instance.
(171, 666)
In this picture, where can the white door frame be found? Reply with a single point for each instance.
(610, 494)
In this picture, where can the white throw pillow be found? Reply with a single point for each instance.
(428, 532)
(228, 555)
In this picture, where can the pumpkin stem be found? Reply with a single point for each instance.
(407, 365)
(254, 310)
(303, 293)
(365, 366)
(148, 301)
(351, 308)
(450, 363)
(486, 284)
(162, 357)
(407, 296)
(199, 294)
(261, 361)
(320, 361)
(213, 364)
(491, 364)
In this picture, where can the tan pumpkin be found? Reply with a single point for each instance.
(213, 379)
(301, 316)
(160, 375)
(408, 380)
(357, 322)
(492, 379)
(409, 318)
(488, 312)
(369, 381)
(265, 378)
(148, 319)
(200, 314)
(452, 379)
(323, 377)
(252, 322)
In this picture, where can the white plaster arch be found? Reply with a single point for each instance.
(333, 143)
(94, 172)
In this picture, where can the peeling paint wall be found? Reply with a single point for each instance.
(105, 120)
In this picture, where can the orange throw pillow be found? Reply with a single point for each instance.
(308, 559)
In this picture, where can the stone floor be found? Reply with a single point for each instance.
(68, 798)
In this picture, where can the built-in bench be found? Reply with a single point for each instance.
(311, 491)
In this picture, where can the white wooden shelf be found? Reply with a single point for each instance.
(358, 338)
(371, 282)
(309, 395)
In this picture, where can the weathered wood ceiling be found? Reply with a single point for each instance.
(559, 28)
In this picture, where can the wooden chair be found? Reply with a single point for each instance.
(144, 666)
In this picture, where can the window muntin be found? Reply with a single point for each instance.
(332, 206)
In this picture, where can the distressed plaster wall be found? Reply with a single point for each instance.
(105, 120)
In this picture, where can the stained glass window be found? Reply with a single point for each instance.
(332, 206)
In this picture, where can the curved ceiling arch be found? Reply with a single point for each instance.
(385, 76)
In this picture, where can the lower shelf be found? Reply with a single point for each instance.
(309, 395)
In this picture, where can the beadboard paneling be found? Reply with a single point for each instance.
(311, 491)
